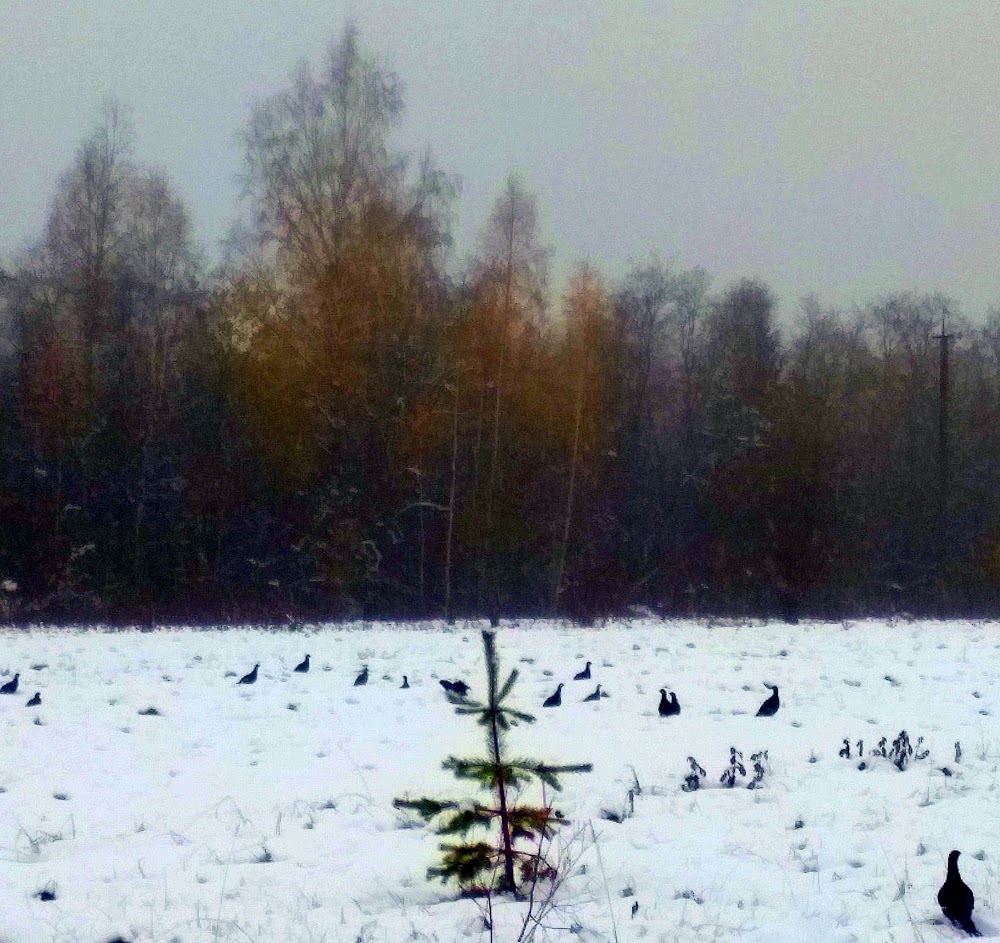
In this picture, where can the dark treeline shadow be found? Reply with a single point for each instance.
(329, 426)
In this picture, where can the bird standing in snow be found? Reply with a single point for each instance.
(362, 678)
(11, 686)
(596, 696)
(405, 683)
(304, 666)
(669, 708)
(554, 700)
(770, 707)
(956, 898)
(250, 677)
(35, 701)
(583, 675)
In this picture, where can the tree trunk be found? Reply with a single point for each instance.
(507, 845)
(451, 513)
(568, 520)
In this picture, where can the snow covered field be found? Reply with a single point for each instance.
(264, 813)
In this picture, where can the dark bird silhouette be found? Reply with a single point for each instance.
(554, 700)
(668, 708)
(362, 678)
(770, 707)
(251, 677)
(405, 683)
(583, 675)
(35, 701)
(11, 686)
(956, 898)
(455, 687)
(596, 696)
(303, 667)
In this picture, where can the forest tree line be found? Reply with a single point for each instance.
(336, 423)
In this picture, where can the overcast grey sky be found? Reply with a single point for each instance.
(845, 148)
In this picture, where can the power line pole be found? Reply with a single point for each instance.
(944, 386)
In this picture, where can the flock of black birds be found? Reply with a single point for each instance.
(955, 897)
(668, 707)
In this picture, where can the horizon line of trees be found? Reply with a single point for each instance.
(329, 426)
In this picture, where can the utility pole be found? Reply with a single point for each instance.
(944, 385)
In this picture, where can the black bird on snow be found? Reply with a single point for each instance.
(583, 675)
(303, 667)
(668, 708)
(554, 700)
(455, 687)
(596, 696)
(35, 701)
(251, 677)
(405, 683)
(770, 707)
(956, 898)
(362, 678)
(11, 686)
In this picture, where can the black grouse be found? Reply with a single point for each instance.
(956, 898)
(554, 700)
(251, 677)
(583, 675)
(35, 701)
(11, 686)
(405, 683)
(668, 708)
(770, 707)
(455, 687)
(362, 678)
(596, 696)
(304, 666)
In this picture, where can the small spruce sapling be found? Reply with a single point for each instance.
(473, 864)
(758, 759)
(728, 777)
(692, 782)
(899, 754)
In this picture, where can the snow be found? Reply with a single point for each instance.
(264, 812)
